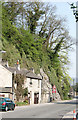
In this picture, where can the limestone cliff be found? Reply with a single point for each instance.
(46, 89)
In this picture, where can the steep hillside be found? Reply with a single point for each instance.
(21, 39)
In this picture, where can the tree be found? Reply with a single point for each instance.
(34, 13)
(12, 10)
(53, 30)
(19, 80)
(15, 11)
(25, 93)
(75, 10)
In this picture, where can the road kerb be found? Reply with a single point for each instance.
(34, 105)
(45, 103)
(68, 115)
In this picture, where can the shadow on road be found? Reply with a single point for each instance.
(74, 102)
(2, 111)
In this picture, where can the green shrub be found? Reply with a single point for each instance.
(21, 103)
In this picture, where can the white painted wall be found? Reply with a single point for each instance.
(34, 88)
(5, 77)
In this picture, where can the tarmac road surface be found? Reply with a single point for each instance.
(47, 110)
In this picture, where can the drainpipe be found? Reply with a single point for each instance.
(12, 87)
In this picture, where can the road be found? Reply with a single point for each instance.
(47, 110)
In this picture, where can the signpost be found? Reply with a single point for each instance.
(54, 91)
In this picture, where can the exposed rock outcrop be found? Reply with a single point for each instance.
(46, 89)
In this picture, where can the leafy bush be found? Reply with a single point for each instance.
(21, 103)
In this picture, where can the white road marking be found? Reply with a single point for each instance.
(68, 115)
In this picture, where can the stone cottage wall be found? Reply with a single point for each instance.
(35, 87)
(5, 77)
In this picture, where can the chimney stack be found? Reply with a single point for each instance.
(18, 65)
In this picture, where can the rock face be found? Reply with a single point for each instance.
(46, 89)
(56, 96)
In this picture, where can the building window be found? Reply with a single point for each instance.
(30, 81)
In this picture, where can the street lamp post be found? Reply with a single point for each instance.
(73, 88)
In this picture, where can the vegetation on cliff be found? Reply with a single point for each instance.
(32, 33)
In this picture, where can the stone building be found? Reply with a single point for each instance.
(31, 81)
(5, 82)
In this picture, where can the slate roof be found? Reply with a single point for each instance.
(25, 72)
(10, 69)
(33, 75)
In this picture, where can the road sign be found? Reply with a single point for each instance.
(54, 89)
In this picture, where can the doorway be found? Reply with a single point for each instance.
(36, 98)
